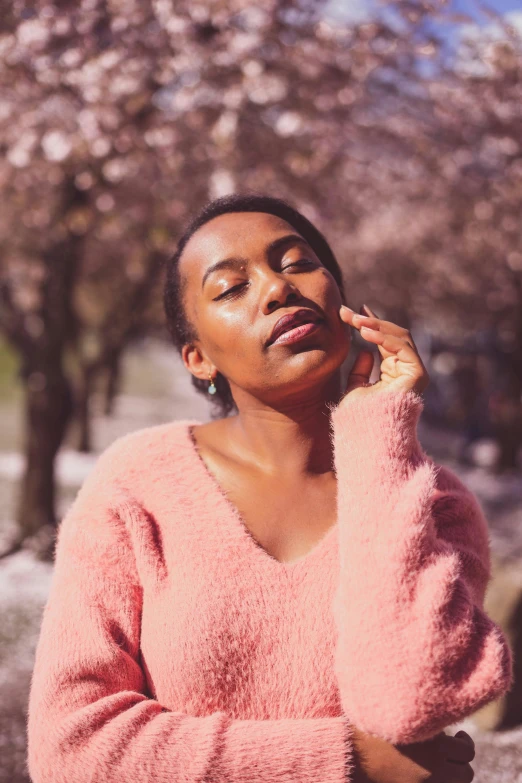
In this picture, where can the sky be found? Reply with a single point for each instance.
(469, 6)
(483, 28)
(463, 43)
(357, 10)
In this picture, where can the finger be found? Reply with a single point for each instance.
(357, 321)
(391, 345)
(361, 370)
(457, 773)
(465, 735)
(387, 327)
(458, 749)
(391, 327)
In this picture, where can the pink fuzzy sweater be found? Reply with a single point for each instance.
(174, 648)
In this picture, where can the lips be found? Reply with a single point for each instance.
(291, 320)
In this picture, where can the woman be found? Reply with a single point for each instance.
(293, 592)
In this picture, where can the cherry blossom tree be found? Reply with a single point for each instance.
(120, 118)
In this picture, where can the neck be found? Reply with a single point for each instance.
(290, 438)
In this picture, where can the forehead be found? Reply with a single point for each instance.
(234, 233)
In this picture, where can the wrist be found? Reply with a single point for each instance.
(368, 433)
(361, 767)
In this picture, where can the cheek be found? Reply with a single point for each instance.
(326, 288)
(229, 335)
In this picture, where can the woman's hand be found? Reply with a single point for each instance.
(401, 365)
(442, 759)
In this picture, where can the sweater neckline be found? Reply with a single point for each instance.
(227, 510)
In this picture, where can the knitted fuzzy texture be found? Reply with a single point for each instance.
(173, 647)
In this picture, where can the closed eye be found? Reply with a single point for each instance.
(230, 291)
(300, 263)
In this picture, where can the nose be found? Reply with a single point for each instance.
(279, 291)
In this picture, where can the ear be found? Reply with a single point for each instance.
(196, 362)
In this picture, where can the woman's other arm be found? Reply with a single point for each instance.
(416, 652)
(89, 718)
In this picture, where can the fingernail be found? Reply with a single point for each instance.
(365, 310)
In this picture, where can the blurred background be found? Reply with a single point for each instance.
(396, 127)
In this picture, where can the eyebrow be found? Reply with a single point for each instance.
(232, 262)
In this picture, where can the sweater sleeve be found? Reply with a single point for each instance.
(415, 650)
(89, 714)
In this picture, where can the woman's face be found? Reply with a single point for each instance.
(235, 306)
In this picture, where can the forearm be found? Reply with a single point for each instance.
(415, 650)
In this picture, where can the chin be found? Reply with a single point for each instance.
(315, 365)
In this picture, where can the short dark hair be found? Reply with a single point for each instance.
(178, 325)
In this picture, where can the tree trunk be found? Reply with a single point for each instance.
(507, 417)
(82, 409)
(48, 412)
(509, 437)
(82, 412)
(113, 382)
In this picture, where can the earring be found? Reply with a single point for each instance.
(211, 389)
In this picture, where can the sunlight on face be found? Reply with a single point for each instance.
(240, 279)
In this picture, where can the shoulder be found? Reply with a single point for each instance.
(136, 453)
